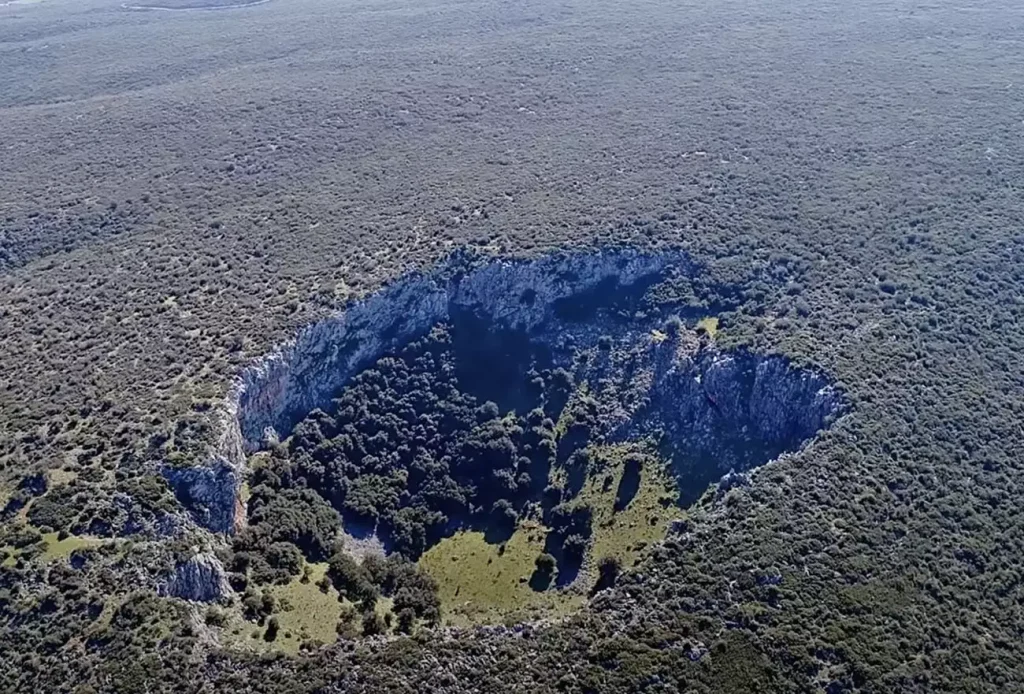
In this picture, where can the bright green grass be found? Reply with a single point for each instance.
(306, 614)
(55, 549)
(480, 585)
(477, 585)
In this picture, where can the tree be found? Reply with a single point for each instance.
(406, 620)
(673, 326)
(545, 564)
(273, 626)
(349, 578)
(608, 569)
(373, 624)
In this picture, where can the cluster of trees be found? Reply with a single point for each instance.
(409, 454)
(414, 594)
(285, 523)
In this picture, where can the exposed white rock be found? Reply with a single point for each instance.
(200, 578)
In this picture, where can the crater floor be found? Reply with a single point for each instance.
(521, 429)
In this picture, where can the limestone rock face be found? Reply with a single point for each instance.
(734, 410)
(210, 492)
(201, 579)
(743, 397)
(274, 393)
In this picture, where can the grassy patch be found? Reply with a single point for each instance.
(306, 614)
(62, 476)
(61, 549)
(310, 615)
(480, 584)
(710, 325)
(625, 534)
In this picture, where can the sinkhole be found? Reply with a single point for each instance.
(545, 399)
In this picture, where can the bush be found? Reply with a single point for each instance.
(608, 569)
(545, 564)
(373, 624)
(273, 626)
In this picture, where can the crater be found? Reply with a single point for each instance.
(560, 410)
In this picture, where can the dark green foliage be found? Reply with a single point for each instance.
(545, 564)
(373, 624)
(280, 521)
(629, 484)
(543, 572)
(406, 620)
(406, 452)
(850, 186)
(673, 327)
(349, 578)
(273, 627)
(571, 518)
(395, 577)
(414, 590)
(608, 570)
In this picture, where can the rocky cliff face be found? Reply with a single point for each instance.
(200, 578)
(274, 393)
(210, 492)
(735, 411)
(724, 411)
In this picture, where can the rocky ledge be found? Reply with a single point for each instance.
(760, 406)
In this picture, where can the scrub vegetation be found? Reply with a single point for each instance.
(182, 191)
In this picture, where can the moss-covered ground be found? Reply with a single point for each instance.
(59, 549)
(626, 533)
(480, 582)
(306, 614)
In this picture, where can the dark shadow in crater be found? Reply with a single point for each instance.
(563, 369)
(629, 485)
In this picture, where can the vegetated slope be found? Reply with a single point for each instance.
(413, 450)
(853, 169)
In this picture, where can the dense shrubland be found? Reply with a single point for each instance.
(873, 236)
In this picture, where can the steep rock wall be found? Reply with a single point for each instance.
(737, 410)
(271, 395)
(200, 578)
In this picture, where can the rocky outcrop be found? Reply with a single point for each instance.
(741, 409)
(719, 411)
(271, 395)
(200, 578)
(210, 493)
(725, 410)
